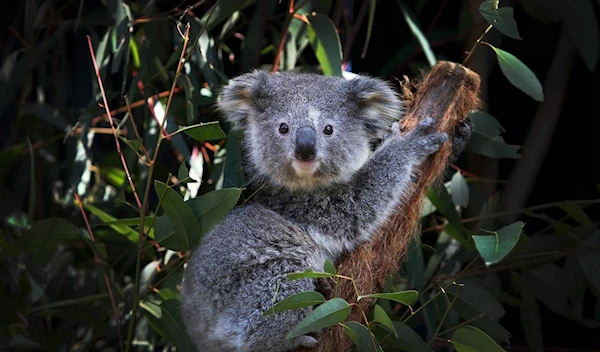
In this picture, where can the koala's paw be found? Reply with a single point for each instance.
(462, 134)
(425, 143)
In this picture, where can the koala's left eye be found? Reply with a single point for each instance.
(328, 130)
(283, 128)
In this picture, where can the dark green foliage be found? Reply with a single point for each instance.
(104, 280)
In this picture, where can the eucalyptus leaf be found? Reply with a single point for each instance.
(471, 339)
(405, 297)
(459, 190)
(495, 247)
(519, 74)
(330, 313)
(204, 131)
(362, 337)
(182, 218)
(298, 300)
(326, 43)
(380, 316)
(501, 18)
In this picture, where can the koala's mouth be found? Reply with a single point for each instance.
(305, 168)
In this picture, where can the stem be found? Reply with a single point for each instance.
(286, 27)
(99, 262)
(476, 43)
(136, 293)
(466, 322)
(437, 330)
(112, 124)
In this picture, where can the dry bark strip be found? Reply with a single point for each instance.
(448, 92)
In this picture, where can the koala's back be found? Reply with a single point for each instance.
(224, 297)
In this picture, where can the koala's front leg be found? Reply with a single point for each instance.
(385, 180)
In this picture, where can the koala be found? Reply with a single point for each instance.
(308, 144)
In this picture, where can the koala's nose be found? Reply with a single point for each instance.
(306, 144)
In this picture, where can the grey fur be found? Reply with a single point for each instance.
(301, 218)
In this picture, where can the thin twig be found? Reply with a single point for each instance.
(286, 27)
(99, 262)
(476, 44)
(112, 124)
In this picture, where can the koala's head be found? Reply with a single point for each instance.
(303, 131)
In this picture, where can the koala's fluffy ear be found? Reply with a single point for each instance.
(239, 97)
(379, 104)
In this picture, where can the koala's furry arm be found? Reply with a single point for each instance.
(307, 140)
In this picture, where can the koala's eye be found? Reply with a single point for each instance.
(283, 128)
(328, 130)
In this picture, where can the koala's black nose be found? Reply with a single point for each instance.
(306, 144)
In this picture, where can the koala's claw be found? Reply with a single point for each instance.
(424, 125)
(431, 143)
(462, 135)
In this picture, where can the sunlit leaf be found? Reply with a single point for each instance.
(519, 74)
(334, 311)
(459, 190)
(308, 274)
(325, 41)
(405, 297)
(416, 31)
(493, 248)
(298, 300)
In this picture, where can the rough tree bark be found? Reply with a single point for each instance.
(448, 92)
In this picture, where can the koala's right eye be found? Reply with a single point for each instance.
(283, 128)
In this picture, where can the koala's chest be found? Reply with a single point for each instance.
(320, 211)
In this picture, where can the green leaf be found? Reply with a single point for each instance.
(576, 213)
(334, 311)
(582, 25)
(134, 144)
(415, 264)
(443, 202)
(497, 246)
(210, 208)
(380, 316)
(405, 297)
(502, 19)
(308, 274)
(459, 190)
(184, 221)
(529, 313)
(519, 74)
(8, 157)
(183, 174)
(478, 297)
(329, 268)
(129, 233)
(466, 311)
(170, 324)
(486, 138)
(372, 6)
(590, 260)
(325, 41)
(233, 174)
(470, 339)
(299, 300)
(408, 340)
(362, 337)
(410, 19)
(204, 131)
